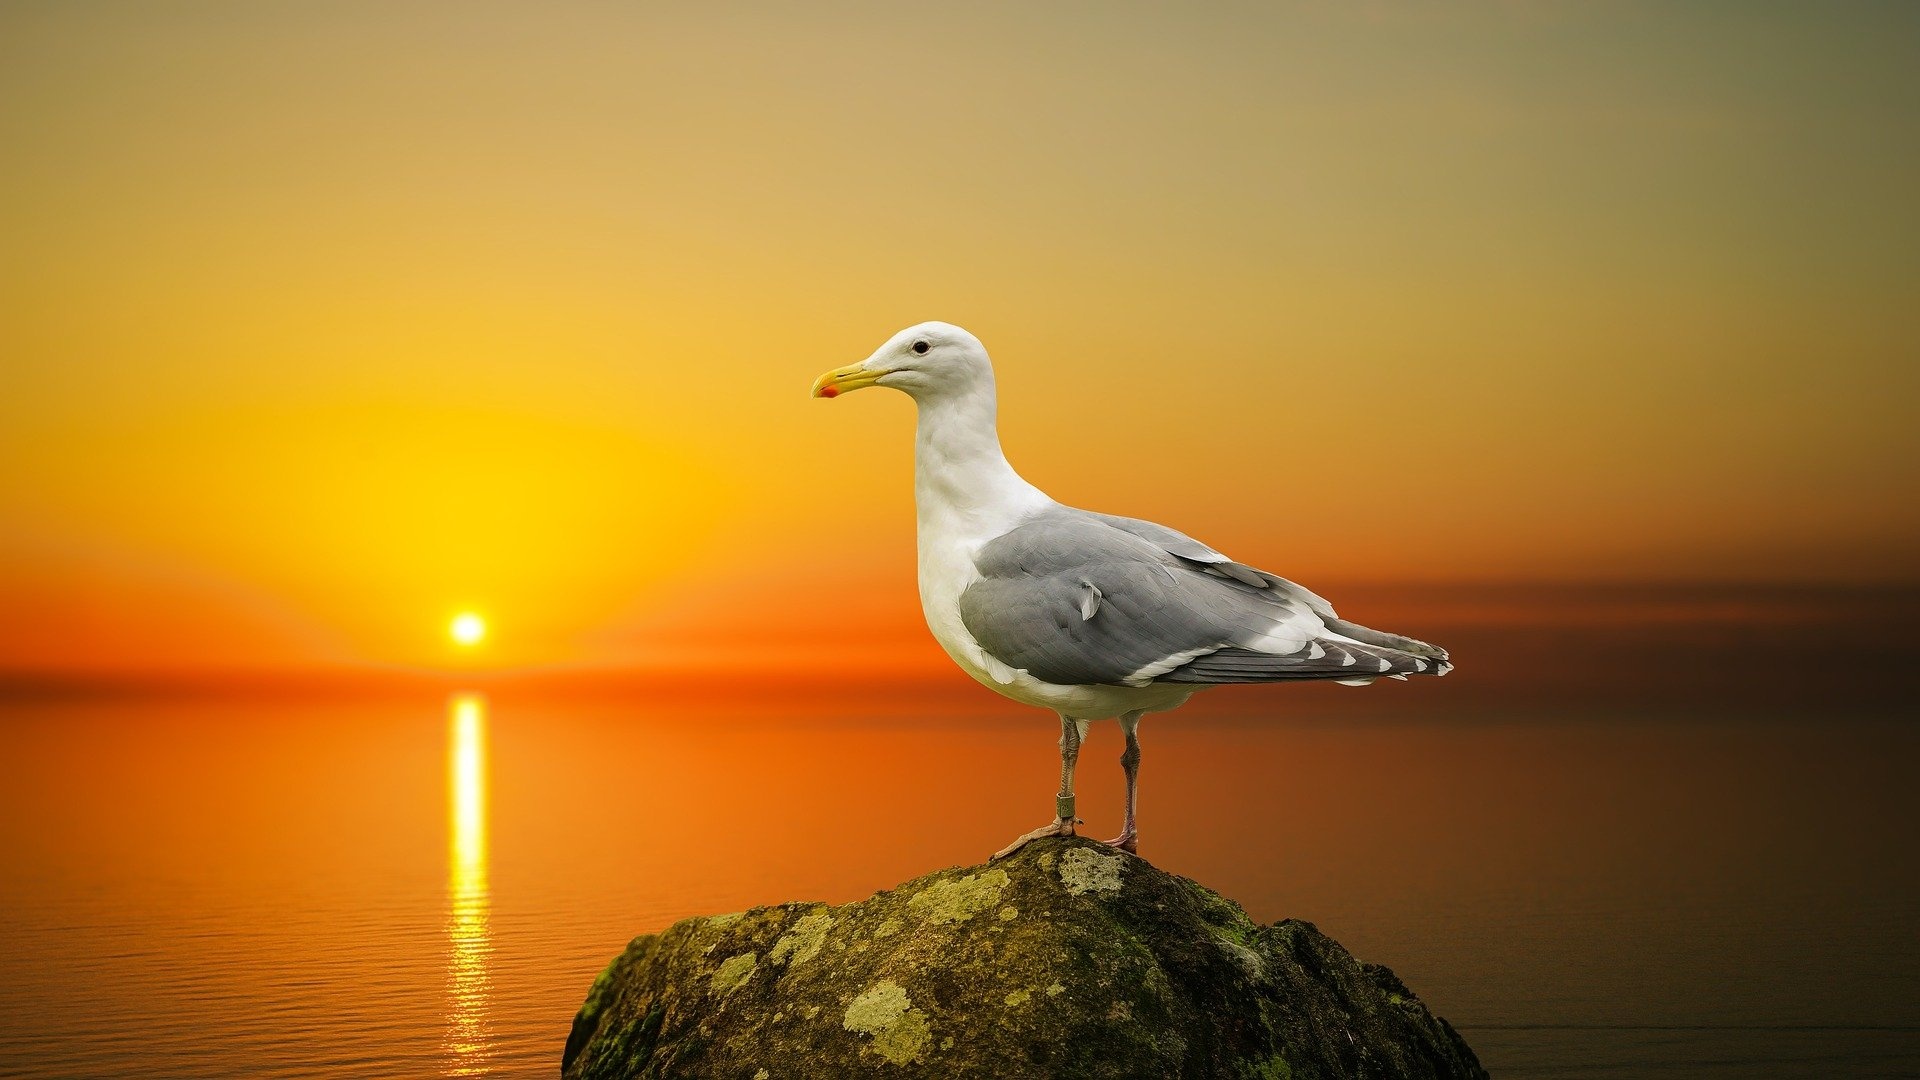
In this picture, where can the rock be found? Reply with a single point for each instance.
(1068, 959)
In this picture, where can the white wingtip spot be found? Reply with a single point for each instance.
(1315, 651)
(1355, 682)
(1419, 665)
(1385, 663)
(1348, 659)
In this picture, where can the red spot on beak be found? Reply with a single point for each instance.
(829, 391)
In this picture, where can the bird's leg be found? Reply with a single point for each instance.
(1130, 761)
(1064, 819)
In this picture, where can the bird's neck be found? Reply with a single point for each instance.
(963, 487)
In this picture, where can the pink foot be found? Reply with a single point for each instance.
(1060, 827)
(1127, 842)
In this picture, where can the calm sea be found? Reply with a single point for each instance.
(425, 884)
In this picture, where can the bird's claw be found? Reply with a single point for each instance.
(1060, 827)
(1127, 842)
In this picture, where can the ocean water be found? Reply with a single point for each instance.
(426, 884)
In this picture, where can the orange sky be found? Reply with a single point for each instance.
(319, 325)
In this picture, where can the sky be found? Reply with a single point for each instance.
(322, 323)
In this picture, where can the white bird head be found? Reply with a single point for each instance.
(931, 360)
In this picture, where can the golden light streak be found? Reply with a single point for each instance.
(468, 1043)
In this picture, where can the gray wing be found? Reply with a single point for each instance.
(1200, 556)
(1187, 549)
(1075, 598)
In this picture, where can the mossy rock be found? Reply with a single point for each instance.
(1068, 959)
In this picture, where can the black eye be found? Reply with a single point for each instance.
(920, 347)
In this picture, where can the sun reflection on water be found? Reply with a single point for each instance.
(468, 1042)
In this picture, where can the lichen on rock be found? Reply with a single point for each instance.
(1086, 870)
(886, 1013)
(734, 971)
(960, 899)
(803, 942)
(1067, 959)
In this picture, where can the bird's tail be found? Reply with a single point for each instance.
(1367, 635)
(1351, 654)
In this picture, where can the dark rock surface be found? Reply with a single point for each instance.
(1068, 959)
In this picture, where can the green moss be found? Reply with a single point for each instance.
(1273, 1068)
(1240, 932)
(629, 1051)
(1153, 998)
(803, 942)
(960, 899)
(734, 972)
(1018, 997)
(1248, 959)
(599, 994)
(691, 1048)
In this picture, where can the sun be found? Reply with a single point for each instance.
(467, 628)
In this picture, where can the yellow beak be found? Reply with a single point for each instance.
(842, 379)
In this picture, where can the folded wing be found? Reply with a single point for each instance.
(1075, 598)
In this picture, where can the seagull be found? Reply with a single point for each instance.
(1088, 615)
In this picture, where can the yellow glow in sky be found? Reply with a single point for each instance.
(318, 318)
(468, 628)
